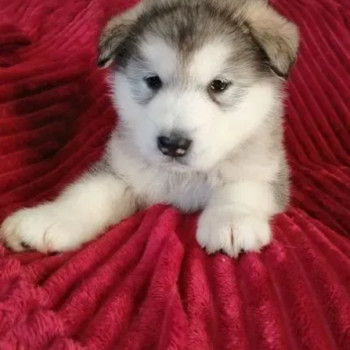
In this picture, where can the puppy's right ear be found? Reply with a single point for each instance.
(114, 33)
(276, 36)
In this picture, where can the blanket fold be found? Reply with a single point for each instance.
(146, 284)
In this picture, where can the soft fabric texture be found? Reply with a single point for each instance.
(146, 284)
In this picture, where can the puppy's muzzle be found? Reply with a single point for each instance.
(174, 145)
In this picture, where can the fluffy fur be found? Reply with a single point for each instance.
(235, 168)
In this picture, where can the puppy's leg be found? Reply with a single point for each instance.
(237, 218)
(86, 208)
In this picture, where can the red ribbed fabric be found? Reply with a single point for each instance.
(146, 284)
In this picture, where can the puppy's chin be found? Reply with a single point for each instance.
(175, 164)
(184, 165)
(189, 163)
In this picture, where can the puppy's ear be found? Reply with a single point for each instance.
(114, 33)
(278, 37)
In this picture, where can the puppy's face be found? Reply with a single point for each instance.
(190, 108)
(190, 85)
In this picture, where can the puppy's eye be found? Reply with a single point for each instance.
(153, 82)
(218, 85)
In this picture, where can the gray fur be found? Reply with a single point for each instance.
(266, 39)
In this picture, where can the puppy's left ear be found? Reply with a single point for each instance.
(114, 33)
(278, 37)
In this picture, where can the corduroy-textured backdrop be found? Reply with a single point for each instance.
(146, 284)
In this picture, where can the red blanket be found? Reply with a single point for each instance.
(146, 284)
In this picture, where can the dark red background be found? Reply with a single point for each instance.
(146, 284)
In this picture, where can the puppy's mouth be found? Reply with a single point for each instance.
(176, 163)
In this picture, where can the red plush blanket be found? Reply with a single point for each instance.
(146, 284)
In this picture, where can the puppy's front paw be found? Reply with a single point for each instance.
(225, 230)
(46, 228)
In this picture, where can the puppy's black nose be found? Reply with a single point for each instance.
(174, 145)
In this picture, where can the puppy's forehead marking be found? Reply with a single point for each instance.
(208, 62)
(159, 55)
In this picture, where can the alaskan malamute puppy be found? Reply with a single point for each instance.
(198, 89)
